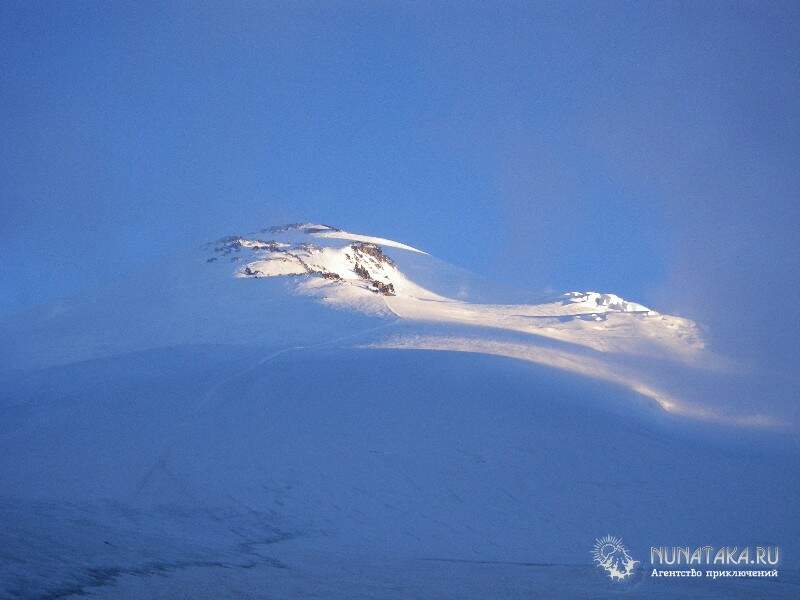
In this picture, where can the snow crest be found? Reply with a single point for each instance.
(349, 270)
(595, 334)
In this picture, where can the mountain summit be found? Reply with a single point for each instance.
(356, 270)
(599, 335)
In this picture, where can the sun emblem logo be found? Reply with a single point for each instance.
(613, 557)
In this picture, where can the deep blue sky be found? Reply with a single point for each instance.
(650, 149)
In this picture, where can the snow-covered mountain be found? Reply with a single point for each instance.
(598, 331)
(307, 412)
(355, 272)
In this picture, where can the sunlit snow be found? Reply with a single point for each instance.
(601, 335)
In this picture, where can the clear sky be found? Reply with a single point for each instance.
(649, 149)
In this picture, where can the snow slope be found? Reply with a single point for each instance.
(246, 473)
(203, 431)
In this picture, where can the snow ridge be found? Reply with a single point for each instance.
(599, 335)
(353, 271)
